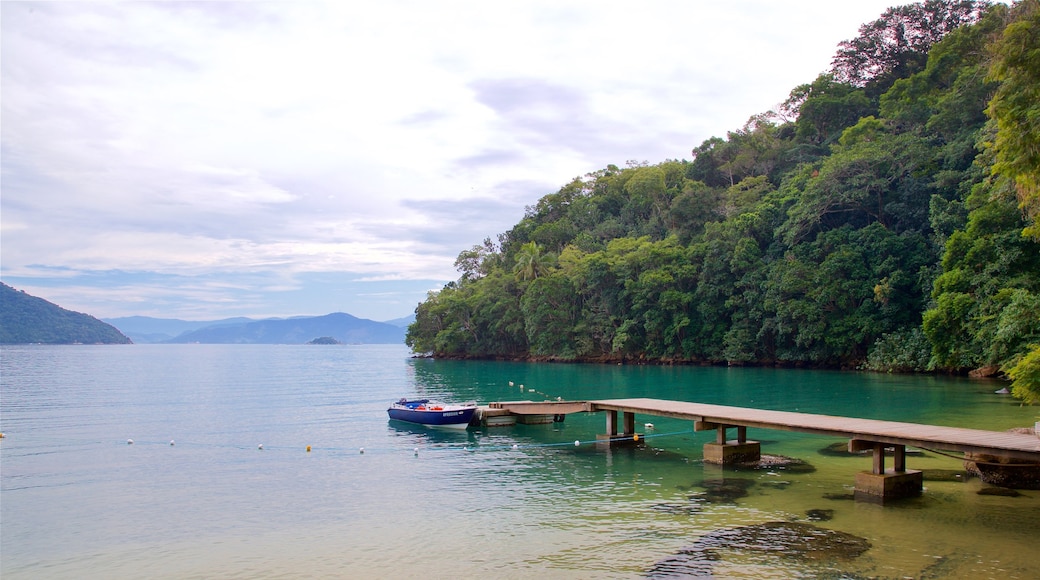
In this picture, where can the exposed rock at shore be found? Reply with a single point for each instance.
(785, 545)
(985, 372)
(1003, 472)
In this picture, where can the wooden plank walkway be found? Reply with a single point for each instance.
(1002, 444)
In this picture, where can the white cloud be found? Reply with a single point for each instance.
(377, 139)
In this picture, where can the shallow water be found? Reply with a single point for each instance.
(77, 501)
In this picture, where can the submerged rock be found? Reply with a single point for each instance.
(840, 496)
(783, 544)
(818, 515)
(780, 463)
(725, 490)
(1001, 491)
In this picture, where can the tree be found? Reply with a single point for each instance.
(826, 107)
(531, 262)
(478, 261)
(548, 306)
(987, 309)
(1016, 108)
(1025, 376)
(896, 45)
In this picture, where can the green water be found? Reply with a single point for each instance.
(78, 502)
(949, 532)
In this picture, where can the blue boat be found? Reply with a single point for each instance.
(433, 413)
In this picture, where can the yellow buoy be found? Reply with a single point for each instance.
(635, 437)
(308, 449)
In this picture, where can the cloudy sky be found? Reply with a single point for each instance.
(202, 160)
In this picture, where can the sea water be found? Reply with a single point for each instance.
(218, 480)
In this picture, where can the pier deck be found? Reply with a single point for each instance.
(879, 484)
(1001, 444)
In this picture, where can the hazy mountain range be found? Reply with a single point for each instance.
(297, 330)
(26, 319)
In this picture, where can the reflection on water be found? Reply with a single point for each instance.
(78, 502)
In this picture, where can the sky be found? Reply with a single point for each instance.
(204, 160)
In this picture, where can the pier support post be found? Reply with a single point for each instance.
(611, 423)
(611, 437)
(880, 485)
(728, 452)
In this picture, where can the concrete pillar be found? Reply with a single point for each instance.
(880, 485)
(732, 452)
(727, 452)
(611, 437)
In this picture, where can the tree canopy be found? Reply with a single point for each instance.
(883, 218)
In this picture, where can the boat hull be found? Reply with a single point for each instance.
(452, 418)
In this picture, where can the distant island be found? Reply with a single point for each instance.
(26, 319)
(325, 340)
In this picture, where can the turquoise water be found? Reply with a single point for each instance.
(77, 501)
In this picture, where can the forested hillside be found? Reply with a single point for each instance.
(26, 319)
(883, 217)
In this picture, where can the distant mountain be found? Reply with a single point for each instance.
(342, 327)
(147, 330)
(402, 322)
(26, 319)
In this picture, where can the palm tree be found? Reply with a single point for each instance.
(531, 262)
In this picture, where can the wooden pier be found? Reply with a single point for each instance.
(878, 484)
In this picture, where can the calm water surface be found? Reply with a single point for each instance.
(76, 501)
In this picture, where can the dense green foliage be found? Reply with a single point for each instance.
(25, 319)
(872, 222)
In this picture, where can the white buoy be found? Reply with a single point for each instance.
(577, 443)
(171, 442)
(260, 447)
(362, 450)
(648, 426)
(515, 446)
(416, 450)
(129, 441)
(510, 383)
